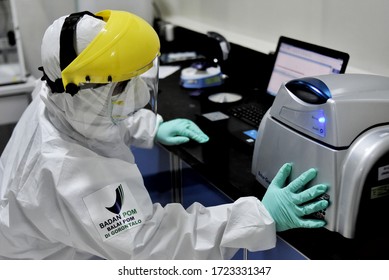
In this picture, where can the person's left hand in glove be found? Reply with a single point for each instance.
(288, 205)
(179, 131)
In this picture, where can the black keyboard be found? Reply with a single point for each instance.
(251, 113)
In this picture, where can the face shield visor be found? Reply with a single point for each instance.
(126, 47)
(115, 75)
(140, 92)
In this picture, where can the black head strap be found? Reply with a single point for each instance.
(56, 86)
(67, 52)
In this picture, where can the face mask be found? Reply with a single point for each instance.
(128, 97)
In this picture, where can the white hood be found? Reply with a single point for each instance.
(86, 116)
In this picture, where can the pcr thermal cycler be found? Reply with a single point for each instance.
(338, 124)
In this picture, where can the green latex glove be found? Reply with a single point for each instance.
(287, 205)
(179, 131)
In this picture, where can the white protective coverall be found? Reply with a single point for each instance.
(71, 192)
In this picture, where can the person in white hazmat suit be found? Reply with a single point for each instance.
(70, 188)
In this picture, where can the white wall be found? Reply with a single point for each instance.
(143, 8)
(34, 17)
(358, 27)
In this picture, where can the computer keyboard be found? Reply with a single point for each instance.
(251, 113)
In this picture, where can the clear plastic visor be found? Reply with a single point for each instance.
(129, 96)
(152, 78)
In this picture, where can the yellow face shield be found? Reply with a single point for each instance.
(125, 48)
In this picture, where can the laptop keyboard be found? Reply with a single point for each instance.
(251, 113)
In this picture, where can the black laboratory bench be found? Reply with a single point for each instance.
(225, 162)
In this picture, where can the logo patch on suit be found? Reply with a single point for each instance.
(113, 210)
(117, 206)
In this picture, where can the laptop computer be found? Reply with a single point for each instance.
(292, 59)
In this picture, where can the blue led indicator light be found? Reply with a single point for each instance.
(322, 120)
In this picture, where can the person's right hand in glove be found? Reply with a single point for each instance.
(288, 205)
(179, 131)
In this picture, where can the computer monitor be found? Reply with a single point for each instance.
(295, 59)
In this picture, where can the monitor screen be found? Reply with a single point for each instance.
(295, 59)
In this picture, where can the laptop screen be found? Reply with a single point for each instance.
(295, 59)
